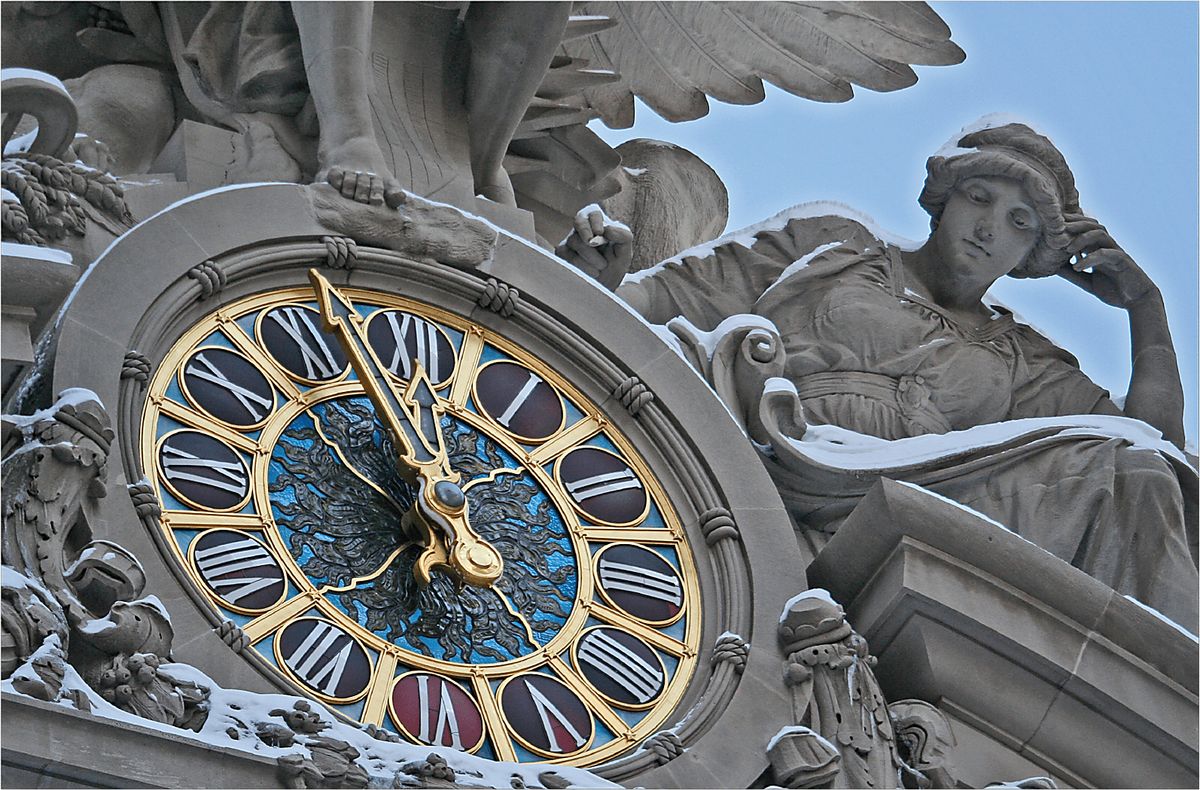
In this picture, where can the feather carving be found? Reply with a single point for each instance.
(675, 55)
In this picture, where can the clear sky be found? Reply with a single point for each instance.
(1114, 84)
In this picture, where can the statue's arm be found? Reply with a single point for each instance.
(1155, 390)
(1105, 270)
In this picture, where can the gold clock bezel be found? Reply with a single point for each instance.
(456, 391)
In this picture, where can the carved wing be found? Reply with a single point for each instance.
(674, 55)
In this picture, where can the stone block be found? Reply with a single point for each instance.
(1051, 667)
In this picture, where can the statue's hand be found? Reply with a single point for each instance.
(600, 247)
(1100, 266)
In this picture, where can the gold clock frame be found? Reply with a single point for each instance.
(556, 656)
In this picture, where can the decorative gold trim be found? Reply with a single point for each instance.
(464, 372)
(436, 325)
(203, 519)
(291, 674)
(194, 567)
(391, 710)
(166, 479)
(525, 439)
(272, 620)
(591, 737)
(187, 393)
(579, 432)
(258, 338)
(666, 676)
(379, 698)
(244, 343)
(618, 618)
(683, 606)
(638, 536)
(204, 424)
(493, 719)
(579, 508)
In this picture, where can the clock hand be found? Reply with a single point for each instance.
(413, 420)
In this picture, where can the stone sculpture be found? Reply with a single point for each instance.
(846, 733)
(847, 330)
(449, 100)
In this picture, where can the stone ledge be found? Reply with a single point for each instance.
(1071, 676)
(66, 746)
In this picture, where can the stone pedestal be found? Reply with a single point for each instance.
(36, 280)
(49, 745)
(1041, 669)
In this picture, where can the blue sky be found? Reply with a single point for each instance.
(1113, 84)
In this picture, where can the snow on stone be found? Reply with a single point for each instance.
(819, 593)
(15, 580)
(796, 729)
(746, 236)
(841, 448)
(634, 171)
(990, 121)
(47, 254)
(73, 396)
(709, 340)
(802, 263)
(779, 384)
(20, 144)
(958, 505)
(236, 710)
(1183, 630)
(32, 74)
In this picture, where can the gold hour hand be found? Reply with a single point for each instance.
(413, 419)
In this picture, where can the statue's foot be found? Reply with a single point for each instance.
(357, 170)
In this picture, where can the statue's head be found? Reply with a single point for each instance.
(1011, 151)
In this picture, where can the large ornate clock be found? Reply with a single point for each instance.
(293, 499)
(485, 508)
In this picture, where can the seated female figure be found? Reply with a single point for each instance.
(897, 343)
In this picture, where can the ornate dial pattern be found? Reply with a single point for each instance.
(287, 509)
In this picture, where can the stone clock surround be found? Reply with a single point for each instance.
(139, 297)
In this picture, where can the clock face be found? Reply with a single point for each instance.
(285, 505)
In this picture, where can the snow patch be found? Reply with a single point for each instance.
(746, 236)
(819, 593)
(32, 74)
(990, 121)
(1181, 629)
(841, 448)
(802, 263)
(958, 505)
(634, 171)
(239, 710)
(11, 249)
(21, 144)
(796, 729)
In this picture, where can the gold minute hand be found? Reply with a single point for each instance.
(413, 420)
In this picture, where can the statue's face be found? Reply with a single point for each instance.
(987, 228)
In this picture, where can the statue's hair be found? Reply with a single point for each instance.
(1013, 151)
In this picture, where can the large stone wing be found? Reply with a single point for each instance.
(674, 55)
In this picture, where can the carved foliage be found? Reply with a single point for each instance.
(65, 594)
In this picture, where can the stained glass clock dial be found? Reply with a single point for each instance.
(284, 503)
